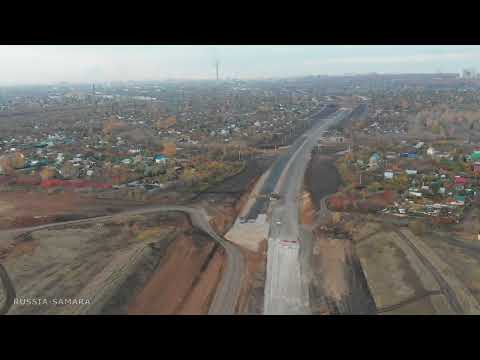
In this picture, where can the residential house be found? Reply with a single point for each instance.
(160, 159)
(460, 183)
(474, 156)
(391, 155)
(388, 175)
(476, 168)
(374, 159)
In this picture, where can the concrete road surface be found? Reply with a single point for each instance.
(286, 289)
(227, 292)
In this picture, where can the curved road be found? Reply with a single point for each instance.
(227, 292)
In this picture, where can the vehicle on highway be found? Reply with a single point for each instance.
(278, 222)
(289, 244)
(274, 196)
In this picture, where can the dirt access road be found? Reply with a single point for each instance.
(226, 295)
(460, 298)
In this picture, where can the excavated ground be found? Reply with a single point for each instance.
(338, 284)
(80, 260)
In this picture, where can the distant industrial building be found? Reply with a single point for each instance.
(470, 73)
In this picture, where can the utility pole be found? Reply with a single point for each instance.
(217, 64)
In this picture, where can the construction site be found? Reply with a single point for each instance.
(238, 198)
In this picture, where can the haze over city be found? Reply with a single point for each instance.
(98, 63)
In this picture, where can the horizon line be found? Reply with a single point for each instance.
(213, 79)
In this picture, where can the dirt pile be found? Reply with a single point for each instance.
(252, 294)
(307, 212)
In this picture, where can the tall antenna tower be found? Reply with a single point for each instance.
(217, 65)
(94, 98)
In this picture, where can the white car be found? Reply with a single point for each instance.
(278, 222)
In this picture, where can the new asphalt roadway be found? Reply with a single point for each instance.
(286, 288)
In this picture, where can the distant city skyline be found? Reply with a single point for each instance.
(44, 64)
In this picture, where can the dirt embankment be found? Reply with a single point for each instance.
(195, 261)
(225, 201)
(252, 292)
(64, 262)
(166, 266)
(239, 183)
(308, 209)
(223, 217)
(224, 209)
(338, 284)
(185, 279)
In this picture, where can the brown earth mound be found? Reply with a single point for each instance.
(185, 280)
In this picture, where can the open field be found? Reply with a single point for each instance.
(390, 276)
(79, 262)
(464, 263)
(418, 275)
(29, 208)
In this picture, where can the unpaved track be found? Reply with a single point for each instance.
(459, 297)
(227, 292)
(408, 301)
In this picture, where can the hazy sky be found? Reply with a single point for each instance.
(48, 64)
